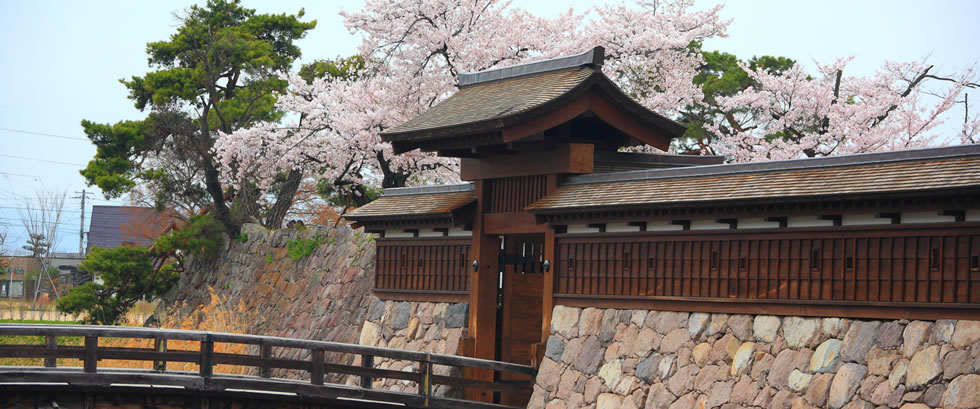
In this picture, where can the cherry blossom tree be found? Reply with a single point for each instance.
(413, 52)
(794, 114)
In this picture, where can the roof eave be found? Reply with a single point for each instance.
(548, 211)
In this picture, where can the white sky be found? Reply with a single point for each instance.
(60, 62)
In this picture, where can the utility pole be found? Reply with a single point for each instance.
(81, 224)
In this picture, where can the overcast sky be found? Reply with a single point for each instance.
(60, 62)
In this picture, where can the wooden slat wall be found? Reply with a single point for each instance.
(423, 264)
(509, 195)
(874, 266)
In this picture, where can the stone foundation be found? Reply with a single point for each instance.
(658, 360)
(415, 326)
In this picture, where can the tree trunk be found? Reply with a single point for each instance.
(284, 200)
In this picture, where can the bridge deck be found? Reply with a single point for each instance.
(322, 368)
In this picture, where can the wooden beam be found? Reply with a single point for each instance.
(511, 223)
(550, 243)
(483, 293)
(624, 122)
(564, 158)
(598, 105)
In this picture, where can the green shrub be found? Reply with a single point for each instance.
(201, 237)
(299, 248)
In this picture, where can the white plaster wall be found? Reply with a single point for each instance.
(459, 232)
(398, 234)
(662, 225)
(807, 221)
(973, 215)
(755, 223)
(926, 217)
(707, 224)
(429, 233)
(863, 220)
(581, 229)
(621, 227)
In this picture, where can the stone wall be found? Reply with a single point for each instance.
(648, 359)
(323, 296)
(417, 326)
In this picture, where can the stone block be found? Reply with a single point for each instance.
(819, 388)
(798, 381)
(765, 328)
(609, 401)
(858, 341)
(674, 340)
(826, 358)
(963, 392)
(743, 358)
(845, 383)
(799, 331)
(611, 372)
(457, 315)
(924, 368)
(607, 328)
(554, 348)
(658, 397)
(956, 363)
(741, 326)
(588, 360)
(966, 333)
(697, 323)
(564, 320)
(700, 353)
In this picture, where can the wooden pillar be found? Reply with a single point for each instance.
(548, 296)
(483, 295)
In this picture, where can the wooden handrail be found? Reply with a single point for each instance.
(316, 364)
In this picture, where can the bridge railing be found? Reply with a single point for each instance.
(318, 365)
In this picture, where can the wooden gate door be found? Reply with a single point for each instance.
(522, 290)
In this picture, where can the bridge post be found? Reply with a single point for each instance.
(265, 352)
(160, 345)
(316, 372)
(91, 354)
(207, 356)
(425, 379)
(367, 361)
(51, 342)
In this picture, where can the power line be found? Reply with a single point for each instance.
(45, 134)
(41, 160)
(6, 174)
(33, 208)
(58, 223)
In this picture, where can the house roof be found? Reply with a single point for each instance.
(114, 226)
(490, 102)
(912, 171)
(429, 202)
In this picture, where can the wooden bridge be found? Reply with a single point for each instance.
(135, 360)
